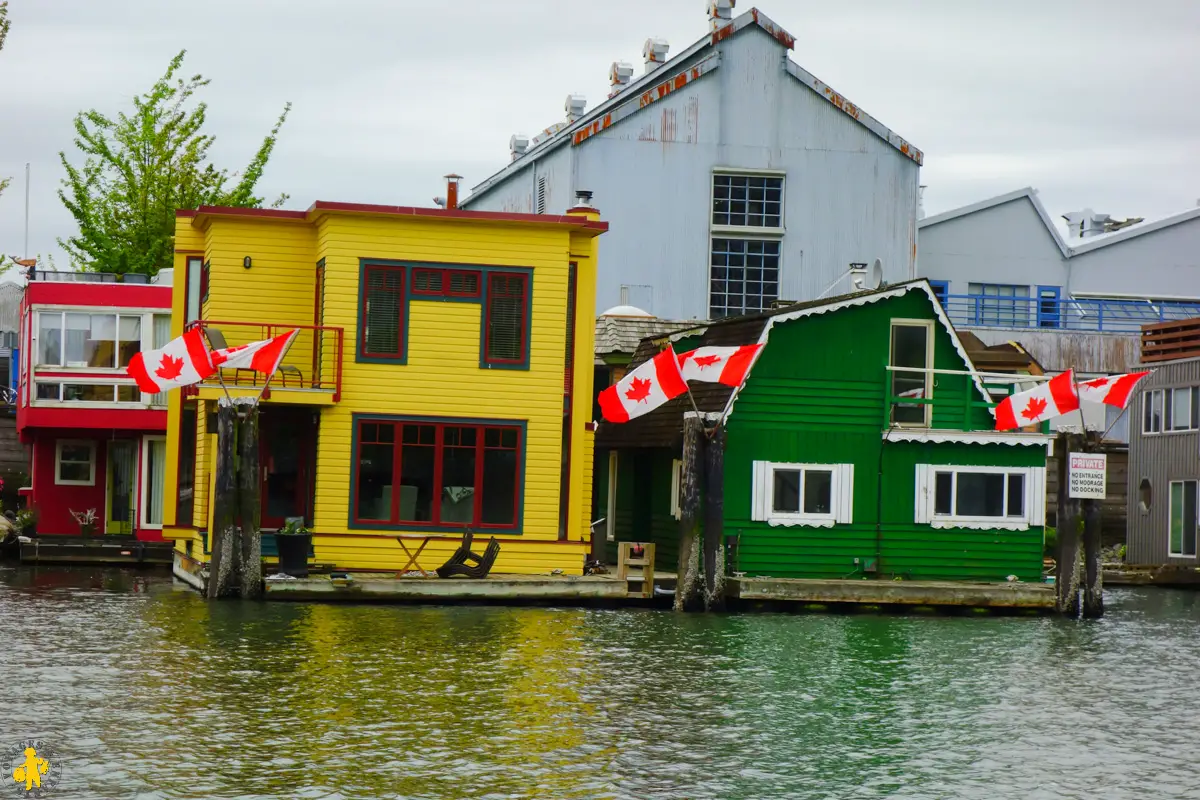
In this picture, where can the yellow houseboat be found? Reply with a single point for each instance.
(441, 379)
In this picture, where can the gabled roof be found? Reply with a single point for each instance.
(661, 427)
(650, 88)
(1028, 193)
(1076, 247)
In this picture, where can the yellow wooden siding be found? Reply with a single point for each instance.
(524, 556)
(206, 451)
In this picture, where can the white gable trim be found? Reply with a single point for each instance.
(1133, 231)
(971, 437)
(862, 300)
(1028, 193)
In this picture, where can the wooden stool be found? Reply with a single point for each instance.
(627, 559)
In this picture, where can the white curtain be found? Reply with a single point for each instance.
(156, 476)
(162, 330)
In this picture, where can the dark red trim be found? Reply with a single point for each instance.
(569, 220)
(98, 297)
(524, 322)
(129, 419)
(185, 212)
(362, 312)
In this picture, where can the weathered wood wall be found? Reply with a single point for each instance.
(1113, 508)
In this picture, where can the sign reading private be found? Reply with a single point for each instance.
(1086, 475)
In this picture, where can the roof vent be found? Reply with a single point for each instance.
(620, 73)
(655, 53)
(720, 12)
(518, 143)
(575, 106)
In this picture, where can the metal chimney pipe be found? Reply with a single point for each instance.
(452, 190)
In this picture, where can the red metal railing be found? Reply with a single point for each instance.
(314, 360)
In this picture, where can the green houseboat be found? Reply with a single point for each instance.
(860, 446)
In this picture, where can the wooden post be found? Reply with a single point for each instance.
(688, 583)
(1093, 585)
(714, 520)
(249, 508)
(1066, 577)
(223, 569)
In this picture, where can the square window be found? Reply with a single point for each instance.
(748, 201)
(744, 276)
(810, 495)
(75, 463)
(787, 491)
(818, 491)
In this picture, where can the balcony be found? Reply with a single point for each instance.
(311, 372)
(1087, 315)
(910, 399)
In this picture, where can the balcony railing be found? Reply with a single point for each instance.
(905, 400)
(1069, 314)
(313, 363)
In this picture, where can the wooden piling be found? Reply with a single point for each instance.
(1066, 576)
(226, 552)
(688, 582)
(1093, 585)
(714, 521)
(249, 493)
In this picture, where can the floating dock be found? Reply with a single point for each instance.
(115, 551)
(1173, 576)
(385, 587)
(937, 594)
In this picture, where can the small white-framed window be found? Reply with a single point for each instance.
(676, 488)
(1183, 524)
(982, 498)
(912, 357)
(811, 495)
(75, 462)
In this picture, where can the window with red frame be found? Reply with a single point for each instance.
(428, 474)
(507, 318)
(382, 312)
(445, 283)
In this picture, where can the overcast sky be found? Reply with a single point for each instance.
(1093, 103)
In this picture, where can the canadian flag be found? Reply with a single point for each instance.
(644, 389)
(727, 365)
(1115, 390)
(180, 362)
(264, 356)
(1053, 398)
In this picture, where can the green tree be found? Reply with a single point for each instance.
(140, 168)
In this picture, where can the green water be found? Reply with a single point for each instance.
(147, 691)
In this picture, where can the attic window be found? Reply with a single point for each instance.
(541, 195)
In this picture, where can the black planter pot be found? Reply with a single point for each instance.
(293, 553)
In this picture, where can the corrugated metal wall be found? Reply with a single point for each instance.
(1159, 458)
(849, 195)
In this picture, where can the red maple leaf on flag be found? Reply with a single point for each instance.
(169, 368)
(707, 361)
(639, 390)
(1035, 408)
(1097, 383)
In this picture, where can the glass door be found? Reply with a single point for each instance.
(287, 439)
(154, 464)
(122, 469)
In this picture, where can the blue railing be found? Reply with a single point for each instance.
(1113, 316)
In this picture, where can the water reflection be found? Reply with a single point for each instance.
(151, 692)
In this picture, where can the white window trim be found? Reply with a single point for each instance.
(676, 488)
(1171, 517)
(841, 496)
(1168, 399)
(142, 490)
(1033, 514)
(147, 332)
(58, 448)
(1147, 405)
(143, 402)
(610, 516)
(929, 325)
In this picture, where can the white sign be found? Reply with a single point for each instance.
(1086, 474)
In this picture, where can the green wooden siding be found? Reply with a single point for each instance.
(643, 503)
(817, 395)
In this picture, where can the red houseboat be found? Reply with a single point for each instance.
(97, 444)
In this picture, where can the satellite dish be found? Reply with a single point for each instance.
(875, 277)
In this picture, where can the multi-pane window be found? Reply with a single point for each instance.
(87, 392)
(980, 497)
(1167, 410)
(999, 304)
(750, 201)
(437, 474)
(1183, 523)
(802, 494)
(81, 339)
(75, 463)
(744, 277)
(445, 283)
(507, 323)
(382, 310)
(744, 271)
(911, 358)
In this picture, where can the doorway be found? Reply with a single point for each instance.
(287, 454)
(121, 480)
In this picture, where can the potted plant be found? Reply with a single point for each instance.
(26, 522)
(293, 541)
(86, 520)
